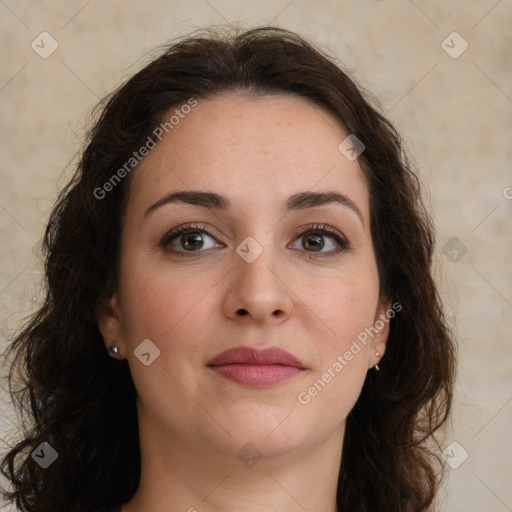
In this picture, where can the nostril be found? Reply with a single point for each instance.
(242, 312)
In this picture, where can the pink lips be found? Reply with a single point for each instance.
(256, 368)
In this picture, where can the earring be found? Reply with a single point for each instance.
(113, 350)
(376, 366)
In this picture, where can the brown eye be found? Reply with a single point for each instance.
(314, 242)
(323, 240)
(191, 241)
(187, 239)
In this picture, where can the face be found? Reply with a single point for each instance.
(267, 263)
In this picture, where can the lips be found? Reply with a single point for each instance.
(256, 367)
(248, 355)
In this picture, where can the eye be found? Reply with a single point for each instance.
(188, 238)
(322, 239)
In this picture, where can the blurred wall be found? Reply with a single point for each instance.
(442, 73)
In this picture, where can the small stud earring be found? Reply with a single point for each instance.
(113, 350)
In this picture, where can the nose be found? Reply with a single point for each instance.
(258, 291)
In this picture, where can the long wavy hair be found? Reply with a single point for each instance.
(82, 402)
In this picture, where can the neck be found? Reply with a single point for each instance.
(179, 476)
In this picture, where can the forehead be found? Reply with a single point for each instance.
(255, 150)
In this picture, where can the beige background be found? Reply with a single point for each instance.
(454, 114)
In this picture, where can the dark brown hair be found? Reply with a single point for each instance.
(82, 402)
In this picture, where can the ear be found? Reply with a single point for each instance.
(380, 331)
(110, 326)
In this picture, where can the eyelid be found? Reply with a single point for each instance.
(189, 226)
(319, 227)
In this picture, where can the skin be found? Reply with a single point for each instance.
(256, 152)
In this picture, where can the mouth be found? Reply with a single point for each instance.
(256, 368)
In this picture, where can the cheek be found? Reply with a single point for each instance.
(343, 305)
(172, 311)
(347, 306)
(175, 315)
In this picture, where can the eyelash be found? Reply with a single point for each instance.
(322, 229)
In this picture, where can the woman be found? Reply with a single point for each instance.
(245, 239)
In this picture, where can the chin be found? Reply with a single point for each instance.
(273, 430)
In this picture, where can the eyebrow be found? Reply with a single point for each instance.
(299, 201)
